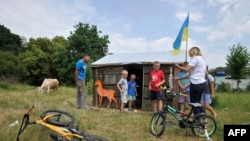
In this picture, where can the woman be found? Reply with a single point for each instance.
(197, 70)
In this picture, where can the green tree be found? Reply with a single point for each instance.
(85, 39)
(10, 48)
(237, 62)
(9, 41)
(60, 58)
(11, 67)
(38, 59)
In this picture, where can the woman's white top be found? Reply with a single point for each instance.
(197, 74)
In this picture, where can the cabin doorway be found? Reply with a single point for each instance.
(136, 69)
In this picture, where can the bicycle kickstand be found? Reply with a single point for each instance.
(207, 136)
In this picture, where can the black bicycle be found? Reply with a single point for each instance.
(61, 123)
(201, 124)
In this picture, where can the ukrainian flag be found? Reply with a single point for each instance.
(182, 36)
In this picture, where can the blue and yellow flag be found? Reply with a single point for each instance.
(182, 36)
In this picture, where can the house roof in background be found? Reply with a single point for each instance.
(140, 58)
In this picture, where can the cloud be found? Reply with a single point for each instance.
(221, 21)
(202, 28)
(219, 2)
(234, 21)
(196, 17)
(217, 35)
(43, 18)
(120, 44)
(211, 57)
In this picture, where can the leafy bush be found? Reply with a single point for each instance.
(90, 87)
(215, 102)
(224, 87)
(4, 85)
(248, 87)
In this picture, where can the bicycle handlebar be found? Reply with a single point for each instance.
(170, 94)
(30, 109)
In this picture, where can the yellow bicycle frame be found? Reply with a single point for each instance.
(60, 130)
(63, 131)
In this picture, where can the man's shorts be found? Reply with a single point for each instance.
(155, 95)
(124, 97)
(131, 97)
(206, 98)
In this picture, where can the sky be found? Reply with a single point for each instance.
(137, 25)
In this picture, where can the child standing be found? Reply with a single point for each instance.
(183, 88)
(122, 86)
(157, 78)
(208, 94)
(132, 92)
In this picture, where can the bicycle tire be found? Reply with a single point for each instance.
(158, 124)
(65, 120)
(90, 138)
(96, 138)
(202, 122)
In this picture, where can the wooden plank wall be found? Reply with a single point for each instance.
(146, 102)
(109, 77)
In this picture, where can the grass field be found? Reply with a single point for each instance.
(109, 123)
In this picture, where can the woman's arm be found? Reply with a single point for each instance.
(180, 78)
(186, 68)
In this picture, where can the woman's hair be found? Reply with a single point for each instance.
(194, 51)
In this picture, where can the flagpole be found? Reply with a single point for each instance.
(186, 50)
(187, 42)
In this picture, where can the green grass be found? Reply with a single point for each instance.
(109, 123)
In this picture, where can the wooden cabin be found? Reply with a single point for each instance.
(108, 70)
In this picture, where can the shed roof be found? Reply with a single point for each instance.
(164, 57)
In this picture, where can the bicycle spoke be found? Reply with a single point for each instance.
(205, 126)
(158, 124)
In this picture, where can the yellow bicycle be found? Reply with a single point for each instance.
(62, 123)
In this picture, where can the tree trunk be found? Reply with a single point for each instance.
(238, 85)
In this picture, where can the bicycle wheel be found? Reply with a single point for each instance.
(204, 126)
(96, 138)
(58, 118)
(90, 138)
(158, 124)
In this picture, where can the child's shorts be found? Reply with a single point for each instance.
(182, 99)
(124, 97)
(206, 98)
(131, 97)
(155, 95)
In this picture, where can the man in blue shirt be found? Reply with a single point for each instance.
(80, 77)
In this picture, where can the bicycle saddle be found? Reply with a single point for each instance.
(195, 104)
